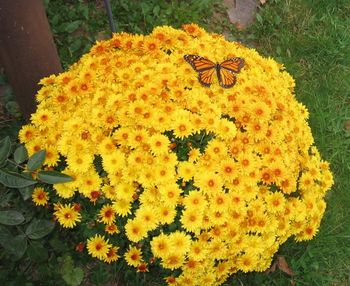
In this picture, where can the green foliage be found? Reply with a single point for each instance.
(76, 25)
(53, 177)
(9, 103)
(12, 177)
(39, 228)
(11, 217)
(5, 148)
(20, 155)
(23, 230)
(73, 276)
(36, 160)
(14, 180)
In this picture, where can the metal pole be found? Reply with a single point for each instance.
(110, 16)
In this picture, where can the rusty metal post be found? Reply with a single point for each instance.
(27, 50)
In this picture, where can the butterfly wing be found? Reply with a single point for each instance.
(226, 78)
(206, 70)
(227, 70)
(198, 63)
(233, 64)
(206, 77)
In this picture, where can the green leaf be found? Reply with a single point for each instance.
(15, 180)
(39, 228)
(85, 11)
(55, 19)
(66, 263)
(172, 227)
(36, 160)
(26, 192)
(156, 10)
(54, 177)
(72, 26)
(11, 217)
(17, 246)
(75, 45)
(57, 244)
(259, 18)
(74, 277)
(5, 235)
(20, 154)
(37, 252)
(5, 148)
(28, 212)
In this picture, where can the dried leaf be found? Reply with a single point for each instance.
(283, 266)
(262, 2)
(347, 125)
(272, 268)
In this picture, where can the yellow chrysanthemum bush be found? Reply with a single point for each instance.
(198, 181)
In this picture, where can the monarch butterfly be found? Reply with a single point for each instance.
(206, 69)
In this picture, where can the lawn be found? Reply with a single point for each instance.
(312, 40)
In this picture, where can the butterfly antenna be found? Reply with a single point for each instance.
(110, 16)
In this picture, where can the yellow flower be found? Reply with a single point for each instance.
(88, 182)
(98, 247)
(125, 191)
(111, 228)
(27, 133)
(112, 255)
(217, 249)
(67, 215)
(166, 214)
(135, 230)
(160, 246)
(191, 220)
(182, 126)
(64, 190)
(43, 118)
(193, 155)
(52, 156)
(80, 162)
(197, 250)
(40, 197)
(247, 262)
(173, 261)
(219, 201)
(228, 169)
(133, 256)
(275, 202)
(186, 170)
(159, 144)
(208, 182)
(122, 207)
(113, 161)
(107, 214)
(180, 241)
(109, 192)
(195, 200)
(151, 46)
(147, 216)
(170, 194)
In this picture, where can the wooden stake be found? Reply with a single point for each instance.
(27, 50)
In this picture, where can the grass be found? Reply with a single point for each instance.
(311, 39)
